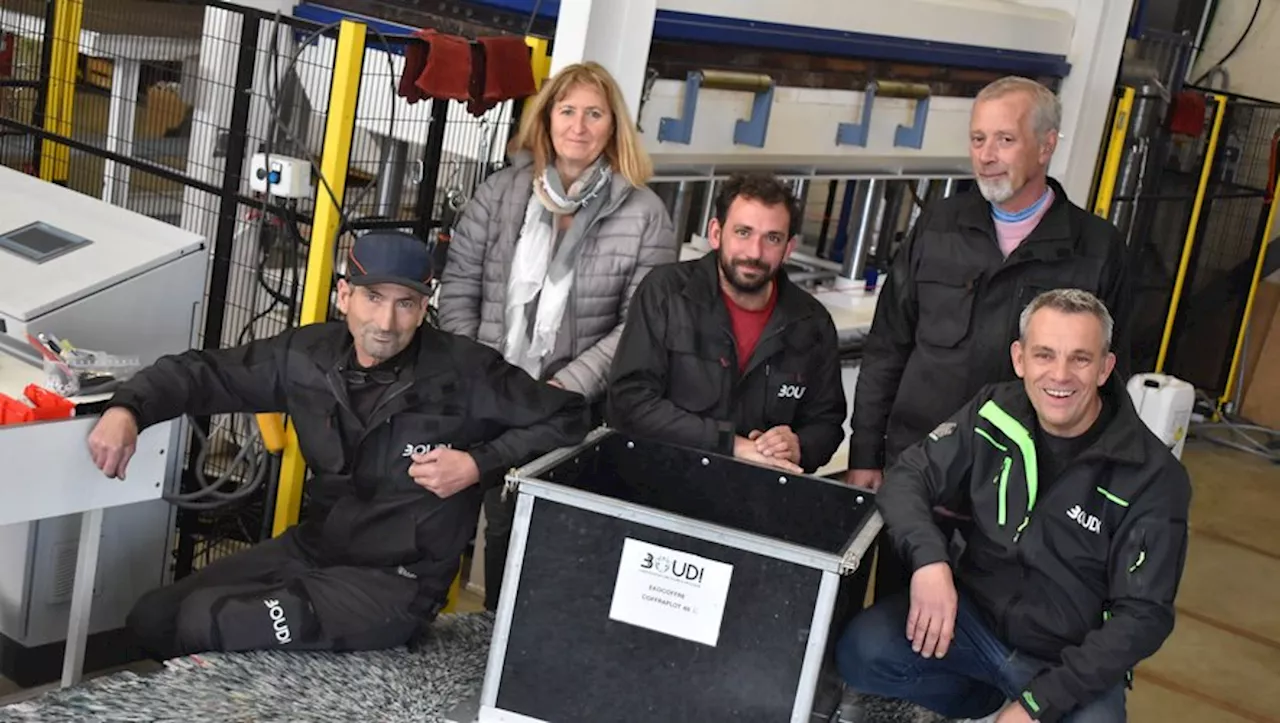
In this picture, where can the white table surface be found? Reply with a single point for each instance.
(48, 472)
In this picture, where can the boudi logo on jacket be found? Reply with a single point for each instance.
(791, 391)
(1087, 521)
(278, 621)
(412, 449)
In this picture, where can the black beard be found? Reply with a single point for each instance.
(728, 271)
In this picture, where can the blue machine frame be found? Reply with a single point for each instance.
(855, 134)
(691, 27)
(746, 132)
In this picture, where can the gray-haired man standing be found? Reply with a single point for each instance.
(950, 304)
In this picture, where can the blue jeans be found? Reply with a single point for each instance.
(975, 678)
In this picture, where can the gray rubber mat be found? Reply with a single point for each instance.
(421, 685)
(273, 687)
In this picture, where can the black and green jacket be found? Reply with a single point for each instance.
(1080, 571)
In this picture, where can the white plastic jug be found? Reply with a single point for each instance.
(1165, 403)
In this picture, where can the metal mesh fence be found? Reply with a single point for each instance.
(130, 94)
(407, 163)
(394, 151)
(165, 109)
(473, 148)
(414, 164)
(1158, 211)
(1222, 262)
(21, 58)
(167, 105)
(273, 95)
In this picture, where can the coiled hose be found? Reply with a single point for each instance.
(253, 461)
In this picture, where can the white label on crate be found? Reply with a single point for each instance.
(671, 592)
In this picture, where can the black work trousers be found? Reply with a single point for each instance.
(499, 515)
(275, 596)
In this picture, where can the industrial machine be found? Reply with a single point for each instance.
(866, 105)
(881, 128)
(78, 269)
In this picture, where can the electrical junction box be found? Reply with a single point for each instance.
(281, 176)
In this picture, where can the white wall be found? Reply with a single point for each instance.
(1253, 67)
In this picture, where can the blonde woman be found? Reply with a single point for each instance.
(547, 254)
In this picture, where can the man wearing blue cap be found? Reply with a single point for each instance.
(403, 426)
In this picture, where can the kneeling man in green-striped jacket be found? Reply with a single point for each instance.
(1075, 523)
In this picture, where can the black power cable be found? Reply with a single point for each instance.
(1247, 29)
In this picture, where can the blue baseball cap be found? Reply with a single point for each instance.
(390, 257)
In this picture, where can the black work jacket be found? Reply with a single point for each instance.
(1080, 571)
(949, 311)
(675, 376)
(364, 509)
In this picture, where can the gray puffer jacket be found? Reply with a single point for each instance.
(632, 234)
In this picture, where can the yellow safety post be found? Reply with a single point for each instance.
(540, 59)
(334, 160)
(1115, 152)
(271, 429)
(1192, 227)
(55, 158)
(1248, 304)
(451, 598)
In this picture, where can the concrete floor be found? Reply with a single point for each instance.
(1222, 664)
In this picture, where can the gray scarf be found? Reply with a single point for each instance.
(583, 199)
(541, 272)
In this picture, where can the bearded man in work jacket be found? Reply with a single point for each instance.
(403, 426)
(1076, 551)
(724, 353)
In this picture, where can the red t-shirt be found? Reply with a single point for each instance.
(748, 325)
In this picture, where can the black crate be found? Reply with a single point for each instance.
(585, 632)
